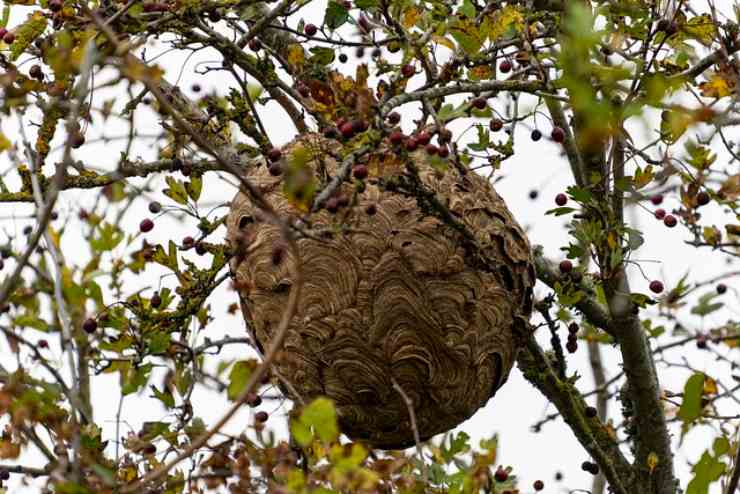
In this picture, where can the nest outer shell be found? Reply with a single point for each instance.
(395, 296)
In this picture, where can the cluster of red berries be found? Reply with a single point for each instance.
(423, 138)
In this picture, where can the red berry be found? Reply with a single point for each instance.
(501, 475)
(479, 103)
(557, 134)
(188, 242)
(505, 66)
(412, 144)
(660, 213)
(43, 344)
(443, 152)
(657, 199)
(566, 266)
(396, 137)
(561, 199)
(359, 126)
(274, 155)
(90, 325)
(431, 149)
(146, 225)
(261, 417)
(360, 172)
(496, 125)
(9, 38)
(408, 70)
(656, 286)
(347, 130)
(538, 485)
(670, 221)
(423, 138)
(310, 29)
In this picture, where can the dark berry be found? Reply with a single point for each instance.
(27, 229)
(701, 342)
(200, 248)
(275, 169)
(396, 137)
(146, 225)
(657, 199)
(310, 29)
(444, 136)
(195, 88)
(156, 300)
(253, 400)
(343, 57)
(274, 155)
(663, 25)
(36, 72)
(55, 5)
(505, 66)
(571, 346)
(501, 475)
(255, 44)
(557, 134)
(479, 103)
(394, 118)
(371, 210)
(561, 199)
(496, 125)
(376, 53)
(670, 221)
(536, 135)
(660, 213)
(359, 125)
(573, 328)
(721, 288)
(90, 325)
(4, 474)
(407, 70)
(538, 485)
(656, 286)
(76, 140)
(261, 417)
(533, 194)
(566, 266)
(702, 198)
(360, 52)
(214, 16)
(360, 172)
(155, 207)
(591, 412)
(43, 344)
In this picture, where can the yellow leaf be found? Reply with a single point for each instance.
(446, 42)
(480, 72)
(731, 187)
(411, 16)
(716, 87)
(652, 461)
(296, 55)
(505, 22)
(4, 143)
(712, 235)
(710, 386)
(700, 28)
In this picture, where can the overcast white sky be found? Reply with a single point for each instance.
(517, 406)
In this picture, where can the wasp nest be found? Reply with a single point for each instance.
(392, 293)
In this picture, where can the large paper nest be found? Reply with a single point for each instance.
(397, 296)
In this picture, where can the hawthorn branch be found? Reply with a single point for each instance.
(593, 437)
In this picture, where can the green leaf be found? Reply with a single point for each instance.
(164, 396)
(239, 376)
(110, 237)
(705, 306)
(721, 446)
(31, 321)
(176, 191)
(691, 405)
(335, 15)
(367, 4)
(321, 55)
(560, 211)
(194, 187)
(158, 341)
(319, 416)
(706, 471)
(26, 33)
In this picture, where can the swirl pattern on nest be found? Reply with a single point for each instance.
(390, 296)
